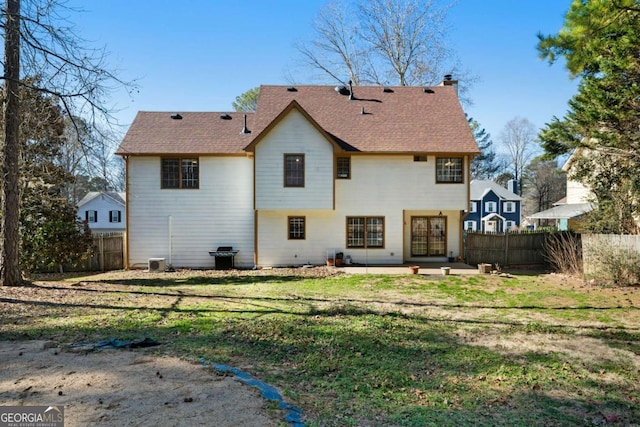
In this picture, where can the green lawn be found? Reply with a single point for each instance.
(373, 350)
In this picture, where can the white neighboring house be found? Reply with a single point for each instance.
(104, 211)
(568, 211)
(378, 174)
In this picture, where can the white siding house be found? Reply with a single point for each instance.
(104, 211)
(381, 176)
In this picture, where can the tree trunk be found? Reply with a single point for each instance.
(9, 232)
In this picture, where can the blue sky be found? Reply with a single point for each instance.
(198, 55)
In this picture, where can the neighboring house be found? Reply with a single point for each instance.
(379, 174)
(567, 212)
(104, 211)
(493, 208)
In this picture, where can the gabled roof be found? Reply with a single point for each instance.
(479, 188)
(379, 120)
(115, 197)
(293, 105)
(398, 119)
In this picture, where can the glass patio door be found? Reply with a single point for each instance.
(428, 236)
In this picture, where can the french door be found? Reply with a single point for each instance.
(428, 236)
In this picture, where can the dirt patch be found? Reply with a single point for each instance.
(126, 387)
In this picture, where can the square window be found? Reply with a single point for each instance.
(490, 207)
(294, 170)
(449, 169)
(180, 173)
(365, 232)
(296, 228)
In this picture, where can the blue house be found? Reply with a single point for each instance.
(493, 209)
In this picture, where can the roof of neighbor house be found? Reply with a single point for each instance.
(480, 187)
(384, 120)
(563, 211)
(118, 198)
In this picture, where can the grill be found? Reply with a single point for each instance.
(224, 256)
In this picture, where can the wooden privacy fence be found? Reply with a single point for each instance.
(108, 253)
(505, 249)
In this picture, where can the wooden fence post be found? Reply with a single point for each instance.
(101, 249)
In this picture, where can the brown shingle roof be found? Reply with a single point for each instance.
(197, 133)
(403, 119)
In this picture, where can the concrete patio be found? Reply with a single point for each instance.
(456, 268)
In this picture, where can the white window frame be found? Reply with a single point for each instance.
(91, 216)
(473, 227)
(474, 207)
(490, 207)
(509, 207)
(115, 216)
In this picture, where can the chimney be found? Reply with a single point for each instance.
(448, 81)
(512, 185)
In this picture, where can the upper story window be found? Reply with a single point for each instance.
(490, 207)
(91, 216)
(419, 158)
(343, 167)
(180, 173)
(296, 228)
(509, 207)
(115, 216)
(449, 169)
(474, 207)
(294, 170)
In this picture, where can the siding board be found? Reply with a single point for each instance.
(219, 213)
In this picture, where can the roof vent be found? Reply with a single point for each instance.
(387, 90)
(176, 116)
(448, 77)
(350, 90)
(342, 90)
(245, 129)
(428, 90)
(291, 89)
(225, 116)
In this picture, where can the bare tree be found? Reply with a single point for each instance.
(407, 38)
(338, 50)
(545, 184)
(382, 42)
(41, 42)
(518, 137)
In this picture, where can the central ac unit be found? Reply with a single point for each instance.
(157, 265)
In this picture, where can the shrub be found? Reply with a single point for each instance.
(563, 251)
(607, 263)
